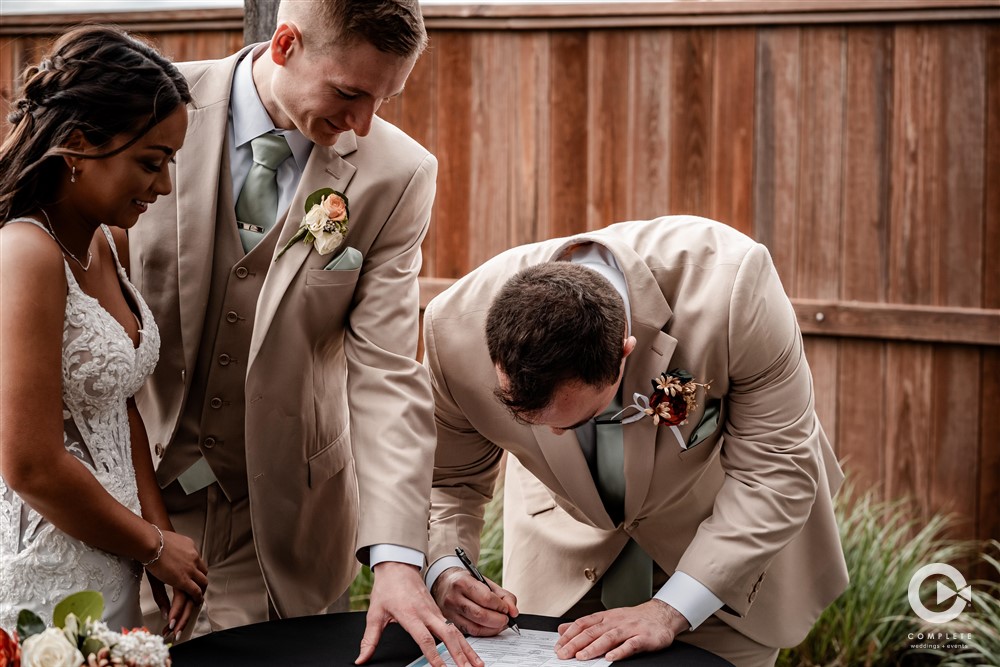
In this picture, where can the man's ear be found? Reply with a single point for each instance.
(627, 346)
(286, 40)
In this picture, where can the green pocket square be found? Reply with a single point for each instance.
(346, 260)
(707, 426)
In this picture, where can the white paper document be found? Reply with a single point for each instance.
(533, 648)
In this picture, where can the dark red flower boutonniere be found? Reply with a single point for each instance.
(674, 397)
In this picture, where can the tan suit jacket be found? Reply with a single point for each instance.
(746, 511)
(338, 424)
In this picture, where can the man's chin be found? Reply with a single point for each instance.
(325, 138)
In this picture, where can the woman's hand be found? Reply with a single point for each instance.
(180, 567)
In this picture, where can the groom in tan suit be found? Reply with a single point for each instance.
(287, 404)
(716, 516)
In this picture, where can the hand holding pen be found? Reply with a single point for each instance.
(474, 571)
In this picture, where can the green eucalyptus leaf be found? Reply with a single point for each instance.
(91, 645)
(681, 375)
(317, 197)
(85, 604)
(28, 624)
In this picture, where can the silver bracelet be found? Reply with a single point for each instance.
(159, 552)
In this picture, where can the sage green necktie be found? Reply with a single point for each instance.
(257, 206)
(629, 580)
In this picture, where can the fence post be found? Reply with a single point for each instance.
(259, 20)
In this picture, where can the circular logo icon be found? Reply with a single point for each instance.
(959, 590)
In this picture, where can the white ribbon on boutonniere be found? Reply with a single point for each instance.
(325, 223)
(673, 397)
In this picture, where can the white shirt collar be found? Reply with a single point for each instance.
(250, 118)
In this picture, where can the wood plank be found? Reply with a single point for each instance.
(730, 161)
(821, 133)
(988, 516)
(649, 127)
(861, 411)
(864, 255)
(821, 146)
(567, 109)
(958, 275)
(776, 140)
(492, 144)
(991, 174)
(955, 431)
(530, 166)
(855, 319)
(916, 137)
(988, 483)
(909, 408)
(449, 234)
(608, 113)
(691, 58)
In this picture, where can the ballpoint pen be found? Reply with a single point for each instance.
(474, 571)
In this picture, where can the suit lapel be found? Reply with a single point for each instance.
(653, 349)
(326, 168)
(198, 173)
(566, 460)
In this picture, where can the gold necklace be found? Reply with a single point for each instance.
(90, 255)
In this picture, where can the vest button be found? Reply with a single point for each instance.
(231, 317)
(241, 272)
(216, 402)
(590, 574)
(159, 449)
(224, 359)
(208, 442)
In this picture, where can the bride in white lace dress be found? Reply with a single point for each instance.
(79, 506)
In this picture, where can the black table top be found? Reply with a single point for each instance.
(334, 639)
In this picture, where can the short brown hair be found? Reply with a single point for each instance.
(553, 323)
(391, 26)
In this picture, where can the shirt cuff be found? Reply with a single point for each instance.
(380, 553)
(439, 566)
(690, 597)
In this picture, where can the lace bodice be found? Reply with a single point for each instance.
(101, 370)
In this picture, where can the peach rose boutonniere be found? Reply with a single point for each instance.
(325, 223)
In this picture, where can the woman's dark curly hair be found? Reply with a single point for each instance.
(95, 79)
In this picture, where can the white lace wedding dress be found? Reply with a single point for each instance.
(40, 564)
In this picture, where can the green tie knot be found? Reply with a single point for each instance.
(270, 150)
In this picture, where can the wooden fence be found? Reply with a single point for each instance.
(860, 141)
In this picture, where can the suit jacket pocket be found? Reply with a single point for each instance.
(330, 460)
(323, 278)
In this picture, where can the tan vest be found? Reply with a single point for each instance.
(213, 421)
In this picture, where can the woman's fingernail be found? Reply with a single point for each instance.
(173, 622)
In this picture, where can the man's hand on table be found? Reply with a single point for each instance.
(399, 595)
(617, 634)
(475, 610)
